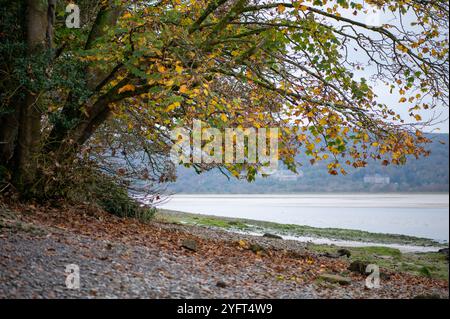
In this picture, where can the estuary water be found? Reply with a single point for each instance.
(421, 215)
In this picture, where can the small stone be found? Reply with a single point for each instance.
(189, 244)
(385, 277)
(336, 279)
(385, 257)
(257, 248)
(445, 251)
(345, 252)
(330, 255)
(272, 236)
(359, 267)
(221, 284)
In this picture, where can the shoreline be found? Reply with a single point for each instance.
(301, 233)
(423, 216)
(391, 256)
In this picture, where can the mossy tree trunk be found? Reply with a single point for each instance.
(21, 136)
(39, 17)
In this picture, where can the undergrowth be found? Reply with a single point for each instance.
(82, 184)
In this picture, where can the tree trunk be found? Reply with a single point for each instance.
(39, 34)
(106, 18)
(8, 133)
(13, 14)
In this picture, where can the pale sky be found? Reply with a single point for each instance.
(378, 18)
(383, 91)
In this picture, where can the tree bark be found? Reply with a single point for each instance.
(13, 14)
(39, 34)
(106, 18)
(8, 133)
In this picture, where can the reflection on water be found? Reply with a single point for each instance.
(421, 215)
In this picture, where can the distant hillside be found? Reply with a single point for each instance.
(424, 175)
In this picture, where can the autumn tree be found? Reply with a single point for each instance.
(137, 69)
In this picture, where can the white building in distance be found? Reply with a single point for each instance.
(377, 179)
(287, 176)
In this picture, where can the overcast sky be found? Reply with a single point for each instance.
(383, 91)
(379, 18)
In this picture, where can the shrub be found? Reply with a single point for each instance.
(114, 198)
(88, 184)
(424, 271)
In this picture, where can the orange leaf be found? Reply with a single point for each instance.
(127, 88)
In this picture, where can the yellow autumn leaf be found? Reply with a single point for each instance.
(179, 69)
(173, 106)
(224, 117)
(243, 244)
(281, 8)
(161, 69)
(169, 83)
(402, 48)
(366, 137)
(127, 88)
(303, 8)
(183, 89)
(127, 15)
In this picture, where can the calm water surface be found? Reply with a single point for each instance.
(422, 215)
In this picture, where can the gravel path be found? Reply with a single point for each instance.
(34, 267)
